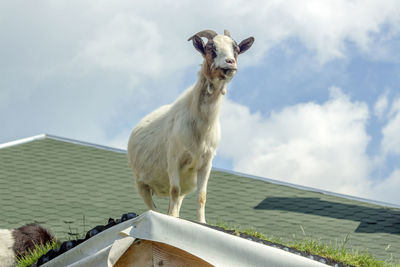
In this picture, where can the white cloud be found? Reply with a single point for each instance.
(381, 105)
(388, 189)
(122, 34)
(391, 131)
(318, 145)
(322, 26)
(126, 43)
(395, 108)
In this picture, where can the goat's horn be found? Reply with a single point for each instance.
(209, 34)
(227, 33)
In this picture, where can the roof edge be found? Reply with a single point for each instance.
(59, 138)
(23, 140)
(78, 142)
(311, 189)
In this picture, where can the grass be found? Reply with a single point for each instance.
(37, 252)
(337, 253)
(334, 251)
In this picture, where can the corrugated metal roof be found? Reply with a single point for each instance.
(71, 186)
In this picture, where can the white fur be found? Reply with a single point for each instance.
(224, 46)
(7, 255)
(173, 148)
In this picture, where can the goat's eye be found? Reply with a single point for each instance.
(214, 52)
(211, 48)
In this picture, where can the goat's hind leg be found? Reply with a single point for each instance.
(144, 191)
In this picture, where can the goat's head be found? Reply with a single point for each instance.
(220, 53)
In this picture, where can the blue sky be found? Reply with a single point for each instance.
(316, 100)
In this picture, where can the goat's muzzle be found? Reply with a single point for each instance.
(229, 72)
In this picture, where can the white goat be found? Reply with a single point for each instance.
(170, 151)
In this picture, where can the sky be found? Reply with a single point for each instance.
(315, 102)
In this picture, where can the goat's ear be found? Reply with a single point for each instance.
(198, 44)
(246, 44)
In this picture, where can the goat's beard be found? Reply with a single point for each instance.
(222, 89)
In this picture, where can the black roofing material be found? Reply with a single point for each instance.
(67, 245)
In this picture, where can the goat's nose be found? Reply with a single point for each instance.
(230, 61)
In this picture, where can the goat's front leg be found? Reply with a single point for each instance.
(202, 180)
(175, 199)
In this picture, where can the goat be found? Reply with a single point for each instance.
(170, 150)
(16, 243)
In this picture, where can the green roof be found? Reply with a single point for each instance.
(70, 187)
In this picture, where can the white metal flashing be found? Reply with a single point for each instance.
(59, 138)
(23, 140)
(273, 181)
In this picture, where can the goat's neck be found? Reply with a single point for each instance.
(207, 98)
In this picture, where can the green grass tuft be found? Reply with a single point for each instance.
(337, 252)
(74, 233)
(32, 256)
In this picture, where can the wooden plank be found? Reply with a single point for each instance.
(154, 254)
